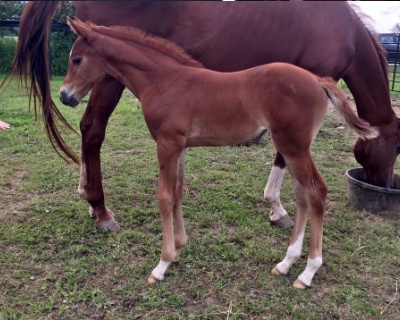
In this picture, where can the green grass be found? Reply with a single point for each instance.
(54, 264)
(394, 83)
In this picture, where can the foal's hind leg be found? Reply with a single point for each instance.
(102, 103)
(311, 193)
(278, 215)
(315, 192)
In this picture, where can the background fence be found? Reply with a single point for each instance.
(391, 43)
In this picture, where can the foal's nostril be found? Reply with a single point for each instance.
(64, 97)
(69, 100)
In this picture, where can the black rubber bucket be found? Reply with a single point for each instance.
(371, 198)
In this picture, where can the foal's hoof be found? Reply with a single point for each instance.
(276, 272)
(151, 280)
(108, 225)
(284, 222)
(299, 285)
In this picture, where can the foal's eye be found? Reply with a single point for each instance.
(77, 60)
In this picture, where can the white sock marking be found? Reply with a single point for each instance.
(160, 270)
(292, 255)
(312, 267)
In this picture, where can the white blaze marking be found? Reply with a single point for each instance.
(71, 51)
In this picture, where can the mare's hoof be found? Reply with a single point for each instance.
(109, 225)
(276, 272)
(299, 285)
(151, 280)
(284, 222)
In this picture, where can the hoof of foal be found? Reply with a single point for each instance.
(108, 225)
(299, 285)
(151, 280)
(283, 222)
(276, 272)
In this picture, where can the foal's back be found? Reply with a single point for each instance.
(235, 107)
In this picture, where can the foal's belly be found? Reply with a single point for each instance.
(224, 134)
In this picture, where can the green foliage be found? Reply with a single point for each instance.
(7, 50)
(11, 10)
(60, 41)
(60, 45)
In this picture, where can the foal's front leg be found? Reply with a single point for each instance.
(102, 102)
(169, 200)
(180, 233)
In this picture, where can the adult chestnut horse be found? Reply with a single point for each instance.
(326, 38)
(286, 100)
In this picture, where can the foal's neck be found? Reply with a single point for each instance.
(139, 65)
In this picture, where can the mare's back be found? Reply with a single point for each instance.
(236, 36)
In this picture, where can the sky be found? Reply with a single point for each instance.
(384, 13)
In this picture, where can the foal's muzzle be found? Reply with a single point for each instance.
(67, 99)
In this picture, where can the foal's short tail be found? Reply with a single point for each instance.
(339, 101)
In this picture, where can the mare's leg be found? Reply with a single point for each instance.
(311, 193)
(169, 154)
(103, 100)
(278, 215)
(180, 233)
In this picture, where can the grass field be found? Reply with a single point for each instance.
(54, 264)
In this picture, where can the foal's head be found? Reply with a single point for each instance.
(85, 68)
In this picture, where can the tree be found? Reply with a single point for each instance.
(60, 40)
(11, 10)
(68, 9)
(396, 28)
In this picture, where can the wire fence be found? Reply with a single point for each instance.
(391, 43)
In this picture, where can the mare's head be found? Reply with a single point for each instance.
(378, 156)
(85, 67)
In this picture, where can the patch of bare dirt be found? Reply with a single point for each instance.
(12, 199)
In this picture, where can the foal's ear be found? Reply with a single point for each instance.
(80, 28)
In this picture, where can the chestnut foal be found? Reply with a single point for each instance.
(185, 105)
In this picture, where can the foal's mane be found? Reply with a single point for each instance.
(132, 34)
